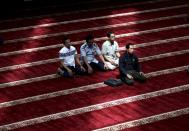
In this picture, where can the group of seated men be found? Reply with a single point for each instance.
(92, 58)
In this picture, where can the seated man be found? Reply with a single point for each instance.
(89, 51)
(110, 51)
(68, 58)
(129, 66)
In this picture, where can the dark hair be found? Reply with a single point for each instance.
(65, 38)
(128, 45)
(89, 37)
(109, 34)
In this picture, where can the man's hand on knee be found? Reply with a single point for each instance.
(129, 76)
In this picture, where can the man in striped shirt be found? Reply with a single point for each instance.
(69, 59)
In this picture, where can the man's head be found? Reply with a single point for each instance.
(90, 40)
(130, 48)
(66, 41)
(111, 36)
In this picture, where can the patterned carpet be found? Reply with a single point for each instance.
(34, 98)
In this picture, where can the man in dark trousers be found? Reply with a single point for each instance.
(129, 66)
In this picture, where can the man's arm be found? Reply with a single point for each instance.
(109, 59)
(78, 62)
(122, 66)
(84, 58)
(137, 67)
(117, 54)
(61, 58)
(102, 59)
(99, 53)
(117, 50)
(89, 68)
(77, 59)
(137, 64)
(65, 67)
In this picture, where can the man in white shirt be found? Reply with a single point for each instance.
(68, 57)
(89, 51)
(110, 51)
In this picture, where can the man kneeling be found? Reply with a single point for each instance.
(68, 57)
(129, 66)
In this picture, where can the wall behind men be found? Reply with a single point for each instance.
(22, 8)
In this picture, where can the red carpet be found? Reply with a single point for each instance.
(32, 97)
